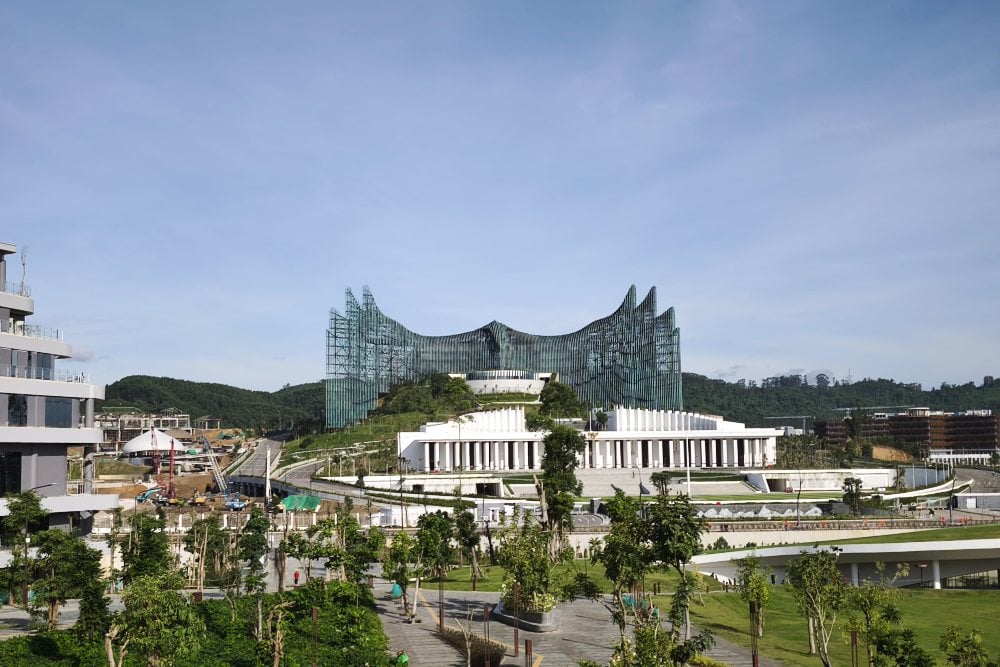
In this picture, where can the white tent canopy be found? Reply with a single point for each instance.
(144, 443)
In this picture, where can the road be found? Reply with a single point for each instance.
(256, 464)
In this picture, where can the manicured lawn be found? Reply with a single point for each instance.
(939, 534)
(927, 612)
(458, 579)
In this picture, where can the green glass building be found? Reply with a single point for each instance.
(630, 358)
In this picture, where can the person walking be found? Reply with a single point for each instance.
(295, 577)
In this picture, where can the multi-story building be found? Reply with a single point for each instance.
(43, 410)
(972, 436)
(120, 426)
(630, 358)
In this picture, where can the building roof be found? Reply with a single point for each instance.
(145, 443)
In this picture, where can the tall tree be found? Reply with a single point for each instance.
(820, 591)
(559, 483)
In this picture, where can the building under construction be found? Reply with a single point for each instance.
(969, 437)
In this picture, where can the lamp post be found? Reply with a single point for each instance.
(27, 570)
(402, 510)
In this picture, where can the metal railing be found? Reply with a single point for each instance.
(42, 374)
(35, 331)
(20, 289)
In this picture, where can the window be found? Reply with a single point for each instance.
(58, 412)
(10, 473)
(17, 410)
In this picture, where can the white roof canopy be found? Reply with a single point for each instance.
(144, 443)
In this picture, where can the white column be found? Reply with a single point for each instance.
(703, 452)
(609, 459)
(515, 446)
(586, 454)
(446, 462)
(427, 457)
(725, 456)
(649, 453)
(854, 574)
(477, 462)
(936, 574)
(627, 446)
(670, 453)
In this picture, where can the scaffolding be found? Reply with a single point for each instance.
(630, 358)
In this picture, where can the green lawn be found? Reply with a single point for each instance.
(927, 612)
(939, 534)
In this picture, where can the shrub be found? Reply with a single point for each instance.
(481, 647)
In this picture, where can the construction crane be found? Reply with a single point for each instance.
(802, 417)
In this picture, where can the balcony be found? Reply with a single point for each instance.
(42, 374)
(35, 331)
(19, 289)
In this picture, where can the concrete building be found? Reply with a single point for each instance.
(43, 410)
(499, 440)
(969, 437)
(120, 427)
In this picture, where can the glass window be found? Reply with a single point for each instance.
(17, 410)
(10, 473)
(58, 412)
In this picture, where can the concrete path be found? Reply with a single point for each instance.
(586, 634)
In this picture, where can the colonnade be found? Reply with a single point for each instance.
(599, 453)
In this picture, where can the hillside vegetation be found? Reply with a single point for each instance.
(301, 405)
(749, 402)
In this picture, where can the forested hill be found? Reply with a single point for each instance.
(788, 395)
(236, 407)
(774, 397)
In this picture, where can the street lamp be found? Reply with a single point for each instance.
(402, 511)
(26, 562)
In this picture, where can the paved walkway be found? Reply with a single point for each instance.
(586, 633)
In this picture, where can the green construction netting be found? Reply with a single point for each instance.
(301, 503)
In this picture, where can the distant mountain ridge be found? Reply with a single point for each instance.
(784, 396)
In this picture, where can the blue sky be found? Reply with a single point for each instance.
(813, 186)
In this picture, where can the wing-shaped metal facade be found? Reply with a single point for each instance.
(630, 358)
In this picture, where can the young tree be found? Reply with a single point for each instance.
(434, 532)
(753, 588)
(627, 556)
(965, 649)
(68, 569)
(820, 591)
(675, 532)
(399, 562)
(852, 494)
(629, 553)
(873, 611)
(147, 550)
(25, 516)
(205, 539)
(158, 623)
(467, 538)
(252, 549)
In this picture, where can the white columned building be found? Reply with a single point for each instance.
(499, 441)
